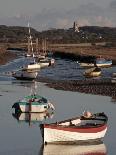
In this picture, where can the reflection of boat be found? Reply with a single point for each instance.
(93, 149)
(33, 103)
(88, 127)
(93, 72)
(25, 75)
(100, 62)
(32, 117)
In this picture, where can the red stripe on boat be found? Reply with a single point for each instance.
(81, 130)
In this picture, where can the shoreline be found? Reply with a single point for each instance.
(90, 86)
(7, 56)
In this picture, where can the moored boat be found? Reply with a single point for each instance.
(100, 62)
(85, 149)
(113, 78)
(25, 75)
(32, 66)
(33, 103)
(88, 127)
(92, 72)
(46, 62)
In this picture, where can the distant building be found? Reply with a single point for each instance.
(76, 27)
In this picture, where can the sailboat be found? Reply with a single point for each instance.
(33, 103)
(42, 58)
(32, 65)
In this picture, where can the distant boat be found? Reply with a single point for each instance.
(46, 62)
(32, 118)
(92, 72)
(32, 65)
(85, 149)
(88, 127)
(25, 75)
(113, 78)
(33, 103)
(100, 62)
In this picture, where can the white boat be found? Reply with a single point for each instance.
(88, 127)
(25, 75)
(100, 62)
(33, 103)
(32, 65)
(46, 62)
(86, 149)
(92, 72)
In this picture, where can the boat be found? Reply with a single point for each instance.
(33, 64)
(32, 118)
(87, 127)
(45, 62)
(113, 78)
(92, 72)
(100, 62)
(85, 149)
(33, 103)
(25, 75)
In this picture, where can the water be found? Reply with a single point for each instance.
(21, 137)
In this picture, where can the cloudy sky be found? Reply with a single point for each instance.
(46, 14)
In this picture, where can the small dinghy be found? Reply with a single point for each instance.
(92, 72)
(88, 127)
(33, 103)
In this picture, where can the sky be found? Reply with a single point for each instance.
(47, 14)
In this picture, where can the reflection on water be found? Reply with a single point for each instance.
(32, 118)
(93, 149)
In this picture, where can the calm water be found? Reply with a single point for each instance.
(19, 137)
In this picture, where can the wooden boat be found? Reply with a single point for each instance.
(92, 72)
(88, 127)
(86, 149)
(25, 75)
(100, 62)
(33, 103)
(32, 118)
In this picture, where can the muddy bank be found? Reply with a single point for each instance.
(86, 54)
(90, 86)
(6, 56)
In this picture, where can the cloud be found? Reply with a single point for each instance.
(113, 5)
(87, 14)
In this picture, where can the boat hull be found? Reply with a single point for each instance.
(92, 74)
(58, 135)
(34, 66)
(24, 75)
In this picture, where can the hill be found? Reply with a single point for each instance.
(86, 34)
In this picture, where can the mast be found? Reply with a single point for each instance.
(30, 38)
(37, 47)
